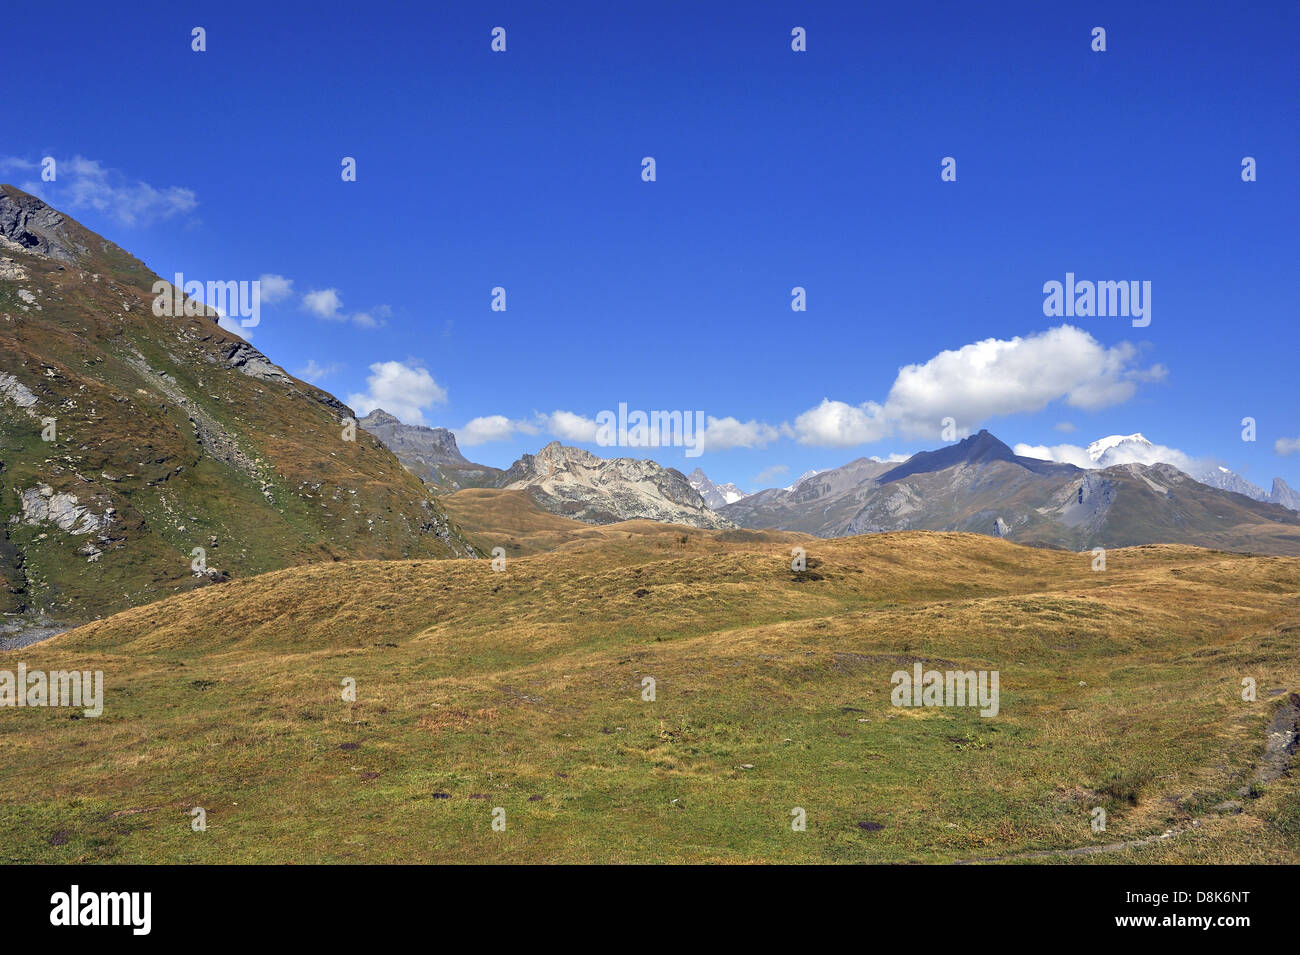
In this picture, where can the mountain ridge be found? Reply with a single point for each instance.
(141, 455)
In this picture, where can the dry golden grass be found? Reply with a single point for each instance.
(523, 690)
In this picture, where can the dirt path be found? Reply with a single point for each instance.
(1280, 739)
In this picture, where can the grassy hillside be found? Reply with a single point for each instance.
(167, 443)
(523, 690)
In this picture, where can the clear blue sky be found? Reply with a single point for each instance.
(775, 169)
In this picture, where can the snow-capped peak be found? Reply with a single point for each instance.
(715, 495)
(1134, 441)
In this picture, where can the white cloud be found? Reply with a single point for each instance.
(764, 476)
(312, 372)
(82, 183)
(374, 318)
(328, 304)
(275, 288)
(1066, 427)
(401, 389)
(835, 424)
(565, 425)
(1285, 446)
(723, 433)
(983, 380)
(568, 426)
(323, 303)
(495, 427)
(1123, 453)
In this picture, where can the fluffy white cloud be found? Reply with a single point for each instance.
(1125, 452)
(400, 389)
(82, 183)
(323, 303)
(568, 426)
(1285, 446)
(983, 380)
(565, 425)
(835, 424)
(495, 427)
(328, 304)
(275, 288)
(723, 433)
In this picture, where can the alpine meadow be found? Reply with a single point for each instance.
(685, 435)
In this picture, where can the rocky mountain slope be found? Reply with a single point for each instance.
(141, 455)
(1138, 449)
(574, 483)
(429, 453)
(715, 496)
(1282, 494)
(980, 485)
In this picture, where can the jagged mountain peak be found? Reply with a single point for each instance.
(1283, 494)
(1102, 445)
(716, 496)
(379, 417)
(979, 448)
(578, 484)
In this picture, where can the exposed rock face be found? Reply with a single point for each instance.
(575, 483)
(13, 390)
(33, 226)
(429, 453)
(253, 363)
(1284, 495)
(716, 496)
(41, 505)
(1225, 480)
(437, 444)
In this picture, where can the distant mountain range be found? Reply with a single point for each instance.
(566, 481)
(1137, 449)
(981, 485)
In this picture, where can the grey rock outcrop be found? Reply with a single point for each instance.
(42, 505)
(429, 453)
(575, 483)
(29, 223)
(1284, 495)
(250, 361)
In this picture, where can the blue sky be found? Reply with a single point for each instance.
(775, 169)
